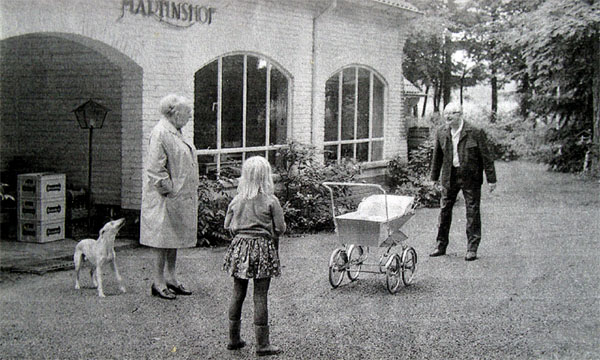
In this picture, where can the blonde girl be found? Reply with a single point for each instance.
(255, 218)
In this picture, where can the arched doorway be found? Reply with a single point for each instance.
(47, 75)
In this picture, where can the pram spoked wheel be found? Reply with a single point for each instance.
(338, 263)
(409, 265)
(355, 261)
(393, 269)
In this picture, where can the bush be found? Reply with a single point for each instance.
(213, 200)
(511, 137)
(306, 203)
(566, 149)
(412, 178)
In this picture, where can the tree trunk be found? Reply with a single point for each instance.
(436, 99)
(595, 153)
(425, 100)
(494, 113)
(494, 69)
(525, 91)
(447, 75)
(462, 83)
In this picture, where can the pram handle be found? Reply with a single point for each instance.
(328, 185)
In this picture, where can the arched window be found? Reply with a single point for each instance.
(240, 109)
(354, 107)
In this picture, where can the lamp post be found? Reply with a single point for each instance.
(90, 115)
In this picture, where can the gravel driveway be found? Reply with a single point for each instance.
(532, 294)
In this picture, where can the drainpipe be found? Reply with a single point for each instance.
(328, 10)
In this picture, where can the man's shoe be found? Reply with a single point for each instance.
(438, 252)
(471, 255)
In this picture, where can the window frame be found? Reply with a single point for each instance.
(370, 139)
(243, 150)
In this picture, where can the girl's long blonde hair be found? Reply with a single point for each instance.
(256, 178)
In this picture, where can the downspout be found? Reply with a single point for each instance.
(328, 10)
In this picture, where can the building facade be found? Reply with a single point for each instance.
(260, 73)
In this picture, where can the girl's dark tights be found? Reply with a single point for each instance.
(261, 290)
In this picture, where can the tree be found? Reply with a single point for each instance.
(558, 44)
(428, 51)
(468, 71)
(484, 23)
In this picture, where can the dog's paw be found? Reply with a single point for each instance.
(122, 289)
(101, 295)
(77, 286)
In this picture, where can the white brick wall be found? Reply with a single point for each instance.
(158, 59)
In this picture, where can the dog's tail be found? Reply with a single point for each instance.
(78, 257)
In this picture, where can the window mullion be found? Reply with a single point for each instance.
(219, 112)
(340, 99)
(355, 109)
(244, 104)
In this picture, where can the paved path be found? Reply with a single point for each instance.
(532, 294)
(39, 258)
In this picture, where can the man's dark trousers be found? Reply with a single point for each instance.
(472, 195)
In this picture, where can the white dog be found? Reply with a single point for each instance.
(97, 253)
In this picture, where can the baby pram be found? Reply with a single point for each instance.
(375, 223)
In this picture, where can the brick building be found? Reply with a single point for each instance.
(260, 72)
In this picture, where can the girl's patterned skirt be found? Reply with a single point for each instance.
(252, 257)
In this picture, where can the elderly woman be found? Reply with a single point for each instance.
(169, 211)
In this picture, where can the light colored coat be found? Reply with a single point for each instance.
(169, 213)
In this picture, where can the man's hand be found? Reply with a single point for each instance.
(492, 187)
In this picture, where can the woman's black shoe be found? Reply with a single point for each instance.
(178, 289)
(164, 293)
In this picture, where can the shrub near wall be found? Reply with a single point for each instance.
(306, 202)
(412, 178)
(213, 199)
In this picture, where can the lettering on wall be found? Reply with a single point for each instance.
(173, 13)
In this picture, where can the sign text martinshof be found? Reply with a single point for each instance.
(174, 13)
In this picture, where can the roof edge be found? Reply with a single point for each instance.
(401, 5)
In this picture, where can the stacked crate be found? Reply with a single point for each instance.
(41, 207)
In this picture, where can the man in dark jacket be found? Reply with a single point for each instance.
(461, 156)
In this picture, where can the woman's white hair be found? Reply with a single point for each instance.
(256, 178)
(169, 104)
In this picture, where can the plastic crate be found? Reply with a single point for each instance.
(41, 210)
(40, 231)
(42, 186)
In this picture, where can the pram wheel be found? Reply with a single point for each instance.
(355, 260)
(338, 263)
(393, 269)
(409, 265)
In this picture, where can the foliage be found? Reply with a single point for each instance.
(558, 44)
(510, 138)
(412, 178)
(566, 150)
(306, 203)
(4, 195)
(427, 50)
(213, 200)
